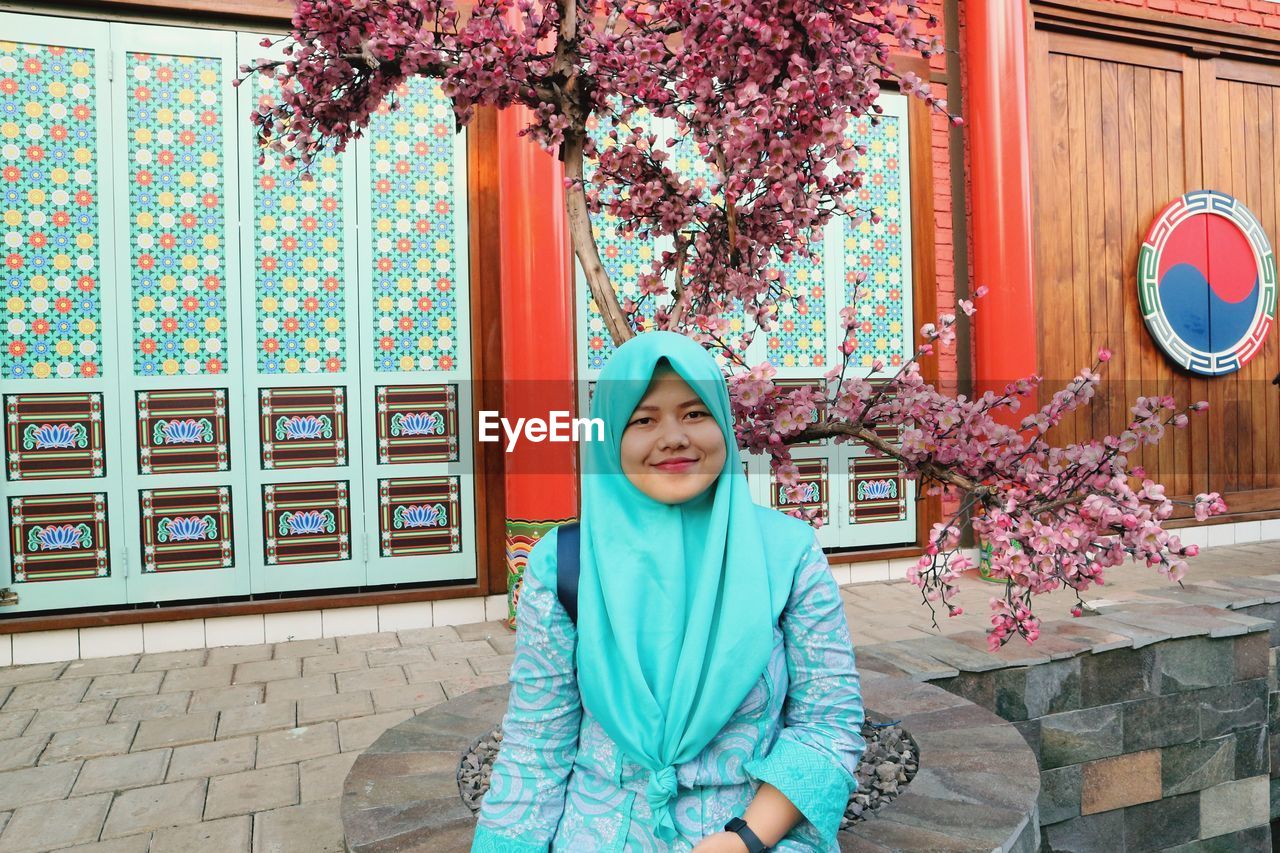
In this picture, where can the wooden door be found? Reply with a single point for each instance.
(1118, 132)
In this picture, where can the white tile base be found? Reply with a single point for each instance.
(46, 646)
(6, 650)
(235, 631)
(110, 640)
(300, 625)
(346, 621)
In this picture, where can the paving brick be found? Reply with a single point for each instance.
(305, 648)
(156, 807)
(421, 673)
(370, 679)
(1163, 823)
(47, 694)
(12, 723)
(298, 744)
(252, 791)
(119, 772)
(1194, 664)
(172, 660)
(399, 657)
(466, 649)
(455, 687)
(257, 718)
(91, 742)
(36, 784)
(66, 717)
(176, 731)
(1233, 806)
(496, 663)
(129, 844)
(334, 663)
(298, 688)
(481, 630)
(504, 644)
(238, 654)
(126, 684)
(32, 672)
(1125, 780)
(212, 759)
(1074, 737)
(1191, 766)
(427, 636)
(100, 666)
(368, 642)
(317, 709)
(409, 696)
(323, 778)
(359, 733)
(307, 828)
(226, 698)
(197, 678)
(22, 751)
(229, 835)
(1059, 794)
(47, 826)
(266, 670)
(136, 708)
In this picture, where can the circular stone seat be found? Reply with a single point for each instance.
(975, 790)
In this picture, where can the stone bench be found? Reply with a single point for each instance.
(975, 790)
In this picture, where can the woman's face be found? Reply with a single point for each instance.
(672, 447)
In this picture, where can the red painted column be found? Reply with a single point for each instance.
(1004, 329)
(537, 340)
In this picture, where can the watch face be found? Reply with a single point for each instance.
(734, 824)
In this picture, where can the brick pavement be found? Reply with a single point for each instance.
(245, 748)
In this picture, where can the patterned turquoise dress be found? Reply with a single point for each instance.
(560, 783)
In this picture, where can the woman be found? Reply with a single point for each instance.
(710, 674)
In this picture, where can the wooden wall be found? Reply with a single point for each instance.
(1119, 130)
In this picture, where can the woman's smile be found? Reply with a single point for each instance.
(678, 465)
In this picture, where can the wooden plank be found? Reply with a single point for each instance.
(1128, 323)
(1104, 51)
(1095, 142)
(1142, 358)
(1254, 430)
(1270, 220)
(1075, 320)
(1169, 378)
(1108, 304)
(1195, 388)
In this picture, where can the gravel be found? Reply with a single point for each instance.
(889, 763)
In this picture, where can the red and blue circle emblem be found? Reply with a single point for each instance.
(1207, 283)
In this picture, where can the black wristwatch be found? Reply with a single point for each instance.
(753, 842)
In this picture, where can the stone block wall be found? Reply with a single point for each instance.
(1152, 721)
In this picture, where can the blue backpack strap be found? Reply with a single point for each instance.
(568, 566)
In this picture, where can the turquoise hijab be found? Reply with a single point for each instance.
(676, 603)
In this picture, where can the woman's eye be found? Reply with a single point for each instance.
(696, 414)
(639, 421)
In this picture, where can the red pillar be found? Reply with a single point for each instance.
(537, 339)
(1004, 329)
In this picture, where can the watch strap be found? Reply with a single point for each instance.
(739, 826)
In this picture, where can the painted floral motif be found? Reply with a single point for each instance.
(303, 428)
(298, 263)
(417, 423)
(877, 250)
(188, 529)
(177, 240)
(55, 436)
(188, 431)
(51, 311)
(60, 537)
(415, 268)
(807, 493)
(872, 490)
(419, 515)
(308, 522)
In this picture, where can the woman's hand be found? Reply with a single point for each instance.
(721, 842)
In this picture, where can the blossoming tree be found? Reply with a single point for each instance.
(765, 90)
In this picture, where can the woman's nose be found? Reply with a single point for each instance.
(673, 435)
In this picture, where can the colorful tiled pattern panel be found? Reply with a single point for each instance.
(183, 431)
(298, 262)
(306, 522)
(798, 337)
(415, 261)
(417, 423)
(303, 427)
(53, 436)
(877, 490)
(813, 481)
(177, 239)
(59, 537)
(186, 529)
(52, 303)
(419, 516)
(878, 250)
